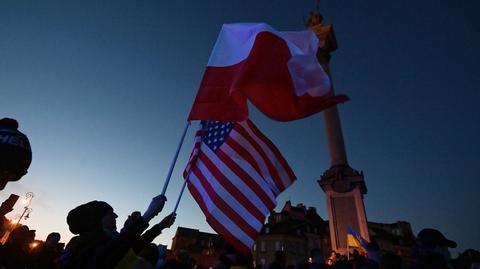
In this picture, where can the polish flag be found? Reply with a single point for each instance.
(277, 71)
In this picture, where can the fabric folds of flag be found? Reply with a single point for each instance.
(354, 239)
(277, 71)
(235, 174)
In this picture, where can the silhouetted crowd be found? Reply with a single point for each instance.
(98, 244)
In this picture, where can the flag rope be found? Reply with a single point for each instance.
(169, 175)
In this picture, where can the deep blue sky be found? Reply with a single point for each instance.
(102, 89)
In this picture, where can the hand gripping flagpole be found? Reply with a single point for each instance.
(169, 175)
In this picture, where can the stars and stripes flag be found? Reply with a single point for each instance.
(235, 174)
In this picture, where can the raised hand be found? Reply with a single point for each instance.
(155, 207)
(168, 221)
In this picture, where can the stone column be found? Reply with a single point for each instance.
(344, 187)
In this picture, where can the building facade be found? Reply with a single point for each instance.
(204, 248)
(397, 238)
(297, 230)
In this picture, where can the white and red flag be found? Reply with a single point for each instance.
(277, 71)
(235, 174)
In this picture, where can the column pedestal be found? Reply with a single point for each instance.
(344, 188)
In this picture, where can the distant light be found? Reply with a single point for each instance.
(34, 245)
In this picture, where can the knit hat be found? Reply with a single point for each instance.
(87, 217)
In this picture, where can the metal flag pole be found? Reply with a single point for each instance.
(348, 250)
(169, 175)
(180, 195)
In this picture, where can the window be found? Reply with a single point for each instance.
(277, 245)
(263, 246)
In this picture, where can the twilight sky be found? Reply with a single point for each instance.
(102, 89)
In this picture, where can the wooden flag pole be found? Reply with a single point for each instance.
(169, 175)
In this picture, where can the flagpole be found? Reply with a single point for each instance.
(180, 195)
(169, 175)
(348, 250)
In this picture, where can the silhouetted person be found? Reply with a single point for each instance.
(332, 258)
(149, 235)
(232, 258)
(469, 259)
(98, 244)
(44, 255)
(391, 261)
(14, 254)
(162, 256)
(431, 250)
(15, 152)
(372, 258)
(317, 261)
(149, 256)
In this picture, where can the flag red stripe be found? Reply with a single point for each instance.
(225, 208)
(249, 181)
(196, 195)
(271, 169)
(236, 193)
(245, 154)
(217, 226)
(273, 148)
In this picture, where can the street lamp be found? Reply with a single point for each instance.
(26, 208)
(25, 214)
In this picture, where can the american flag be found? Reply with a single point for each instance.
(234, 174)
